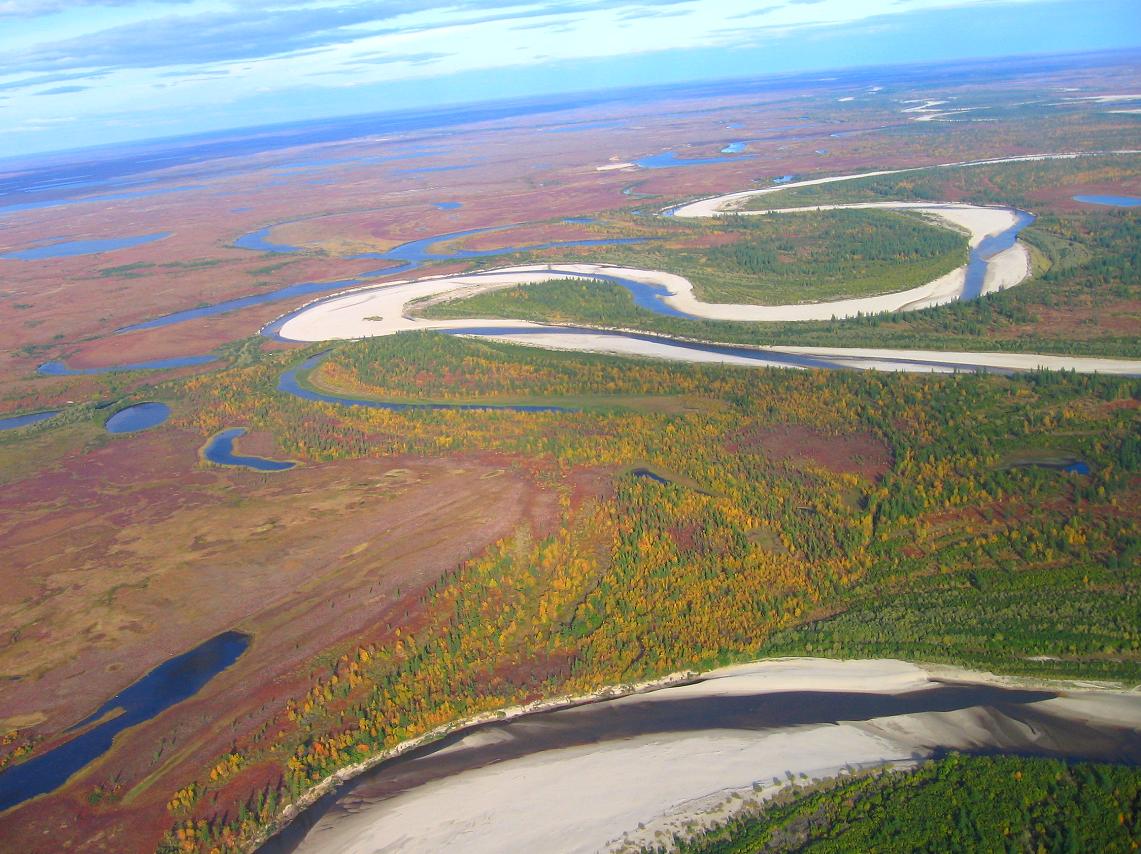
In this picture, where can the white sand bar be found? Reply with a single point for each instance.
(594, 797)
(382, 310)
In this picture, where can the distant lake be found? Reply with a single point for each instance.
(733, 148)
(669, 159)
(83, 247)
(141, 416)
(1110, 201)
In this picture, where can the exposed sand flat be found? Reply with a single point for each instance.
(855, 357)
(381, 310)
(621, 345)
(600, 796)
(1007, 269)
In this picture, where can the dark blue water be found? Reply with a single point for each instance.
(1110, 201)
(160, 689)
(289, 384)
(59, 369)
(669, 159)
(220, 449)
(1020, 722)
(988, 248)
(141, 416)
(83, 247)
(649, 475)
(15, 421)
(1070, 466)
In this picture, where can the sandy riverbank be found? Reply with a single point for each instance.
(365, 313)
(602, 795)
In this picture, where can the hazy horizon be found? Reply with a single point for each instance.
(99, 72)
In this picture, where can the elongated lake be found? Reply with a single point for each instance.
(169, 683)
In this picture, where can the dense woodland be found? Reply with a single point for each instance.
(959, 803)
(780, 259)
(835, 513)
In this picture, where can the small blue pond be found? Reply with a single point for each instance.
(15, 421)
(1069, 466)
(448, 206)
(83, 247)
(163, 687)
(734, 148)
(1110, 201)
(141, 416)
(220, 450)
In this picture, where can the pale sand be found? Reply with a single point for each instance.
(719, 205)
(1002, 361)
(1007, 269)
(345, 317)
(595, 797)
(619, 345)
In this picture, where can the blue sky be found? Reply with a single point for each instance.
(88, 72)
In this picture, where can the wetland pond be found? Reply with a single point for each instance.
(168, 684)
(14, 421)
(220, 450)
(141, 416)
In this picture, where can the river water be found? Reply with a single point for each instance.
(1028, 729)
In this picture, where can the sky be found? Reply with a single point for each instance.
(76, 73)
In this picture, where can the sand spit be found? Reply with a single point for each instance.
(384, 310)
(608, 795)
